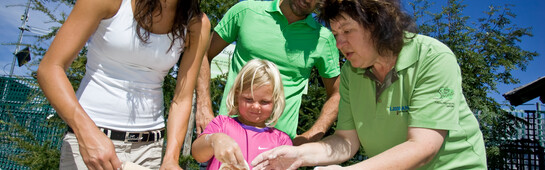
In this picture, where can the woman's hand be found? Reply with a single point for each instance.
(98, 151)
(282, 157)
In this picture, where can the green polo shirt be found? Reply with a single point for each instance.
(427, 94)
(262, 31)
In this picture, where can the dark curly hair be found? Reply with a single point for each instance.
(185, 11)
(384, 18)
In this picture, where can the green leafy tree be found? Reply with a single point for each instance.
(487, 52)
(215, 9)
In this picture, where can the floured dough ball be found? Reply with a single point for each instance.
(231, 167)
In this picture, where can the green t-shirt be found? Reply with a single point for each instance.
(262, 31)
(427, 94)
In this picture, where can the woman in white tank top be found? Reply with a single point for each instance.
(116, 115)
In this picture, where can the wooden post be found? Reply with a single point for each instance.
(186, 150)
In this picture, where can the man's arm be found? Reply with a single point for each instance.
(204, 113)
(328, 115)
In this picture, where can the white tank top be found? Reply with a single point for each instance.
(122, 86)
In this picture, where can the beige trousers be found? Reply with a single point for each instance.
(146, 154)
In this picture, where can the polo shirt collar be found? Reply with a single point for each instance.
(407, 56)
(275, 7)
(252, 128)
(309, 20)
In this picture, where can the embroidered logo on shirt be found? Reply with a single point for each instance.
(260, 148)
(445, 93)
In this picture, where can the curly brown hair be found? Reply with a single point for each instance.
(384, 18)
(185, 11)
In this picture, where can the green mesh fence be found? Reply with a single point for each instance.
(27, 121)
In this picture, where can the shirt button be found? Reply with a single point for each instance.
(378, 100)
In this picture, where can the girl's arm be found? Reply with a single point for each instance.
(201, 149)
(219, 145)
(96, 149)
(180, 109)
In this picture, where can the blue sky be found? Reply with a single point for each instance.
(530, 13)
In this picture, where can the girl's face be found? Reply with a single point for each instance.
(255, 110)
(354, 41)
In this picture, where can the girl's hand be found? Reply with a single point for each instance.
(226, 150)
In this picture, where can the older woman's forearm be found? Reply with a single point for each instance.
(420, 148)
(334, 149)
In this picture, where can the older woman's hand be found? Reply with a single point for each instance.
(283, 157)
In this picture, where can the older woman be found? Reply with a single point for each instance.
(401, 98)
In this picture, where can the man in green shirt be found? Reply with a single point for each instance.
(283, 32)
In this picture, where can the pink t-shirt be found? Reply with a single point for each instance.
(252, 140)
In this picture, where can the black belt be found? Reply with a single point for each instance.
(147, 136)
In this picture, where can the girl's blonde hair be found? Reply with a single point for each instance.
(257, 73)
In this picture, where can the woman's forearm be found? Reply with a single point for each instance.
(421, 147)
(334, 149)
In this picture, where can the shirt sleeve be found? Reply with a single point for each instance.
(284, 139)
(328, 65)
(438, 90)
(345, 120)
(215, 126)
(229, 25)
